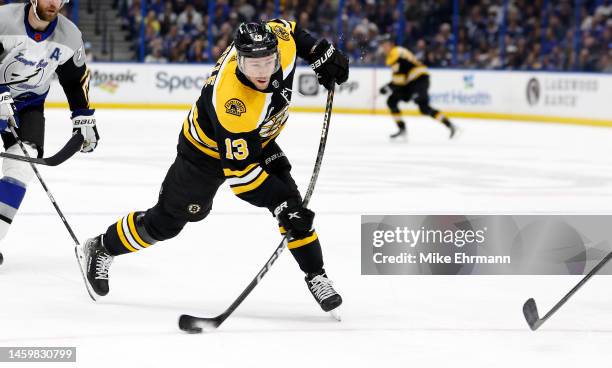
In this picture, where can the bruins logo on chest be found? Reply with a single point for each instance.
(274, 123)
(281, 33)
(235, 107)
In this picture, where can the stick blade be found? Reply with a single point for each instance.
(195, 325)
(530, 311)
(72, 147)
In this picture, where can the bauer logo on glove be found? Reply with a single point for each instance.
(84, 122)
(329, 64)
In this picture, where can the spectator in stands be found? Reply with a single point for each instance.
(167, 18)
(198, 52)
(538, 34)
(189, 20)
(246, 11)
(156, 55)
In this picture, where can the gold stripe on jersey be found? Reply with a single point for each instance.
(197, 144)
(240, 188)
(416, 72)
(85, 85)
(247, 178)
(239, 173)
(195, 122)
(302, 242)
(196, 136)
(399, 79)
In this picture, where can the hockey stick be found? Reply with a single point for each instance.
(11, 126)
(530, 309)
(70, 148)
(193, 324)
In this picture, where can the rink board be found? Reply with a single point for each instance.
(580, 98)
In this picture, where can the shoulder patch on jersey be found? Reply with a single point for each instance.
(281, 32)
(235, 107)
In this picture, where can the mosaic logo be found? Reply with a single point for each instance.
(110, 82)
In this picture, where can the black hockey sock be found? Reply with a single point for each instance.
(401, 125)
(442, 118)
(308, 256)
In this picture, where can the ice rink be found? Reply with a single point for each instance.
(494, 167)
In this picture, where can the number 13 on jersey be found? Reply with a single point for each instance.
(236, 149)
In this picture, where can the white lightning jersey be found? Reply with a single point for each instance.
(28, 58)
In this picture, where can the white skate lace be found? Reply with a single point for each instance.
(103, 263)
(321, 287)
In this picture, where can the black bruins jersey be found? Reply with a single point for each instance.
(232, 122)
(405, 66)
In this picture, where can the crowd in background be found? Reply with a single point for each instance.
(487, 34)
(533, 35)
(525, 34)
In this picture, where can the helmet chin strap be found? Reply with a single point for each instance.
(35, 6)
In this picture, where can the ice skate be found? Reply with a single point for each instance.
(454, 131)
(321, 288)
(94, 261)
(400, 135)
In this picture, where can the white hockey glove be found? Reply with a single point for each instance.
(84, 122)
(7, 108)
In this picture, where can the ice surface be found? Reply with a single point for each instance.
(396, 321)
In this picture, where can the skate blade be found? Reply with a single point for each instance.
(335, 314)
(458, 133)
(80, 259)
(400, 139)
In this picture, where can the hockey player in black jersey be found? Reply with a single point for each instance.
(229, 136)
(410, 81)
(35, 43)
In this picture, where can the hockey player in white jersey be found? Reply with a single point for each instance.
(35, 42)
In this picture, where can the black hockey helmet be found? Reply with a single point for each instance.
(255, 40)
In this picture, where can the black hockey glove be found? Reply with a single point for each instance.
(329, 64)
(294, 218)
(84, 122)
(385, 89)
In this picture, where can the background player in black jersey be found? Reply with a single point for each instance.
(229, 135)
(410, 82)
